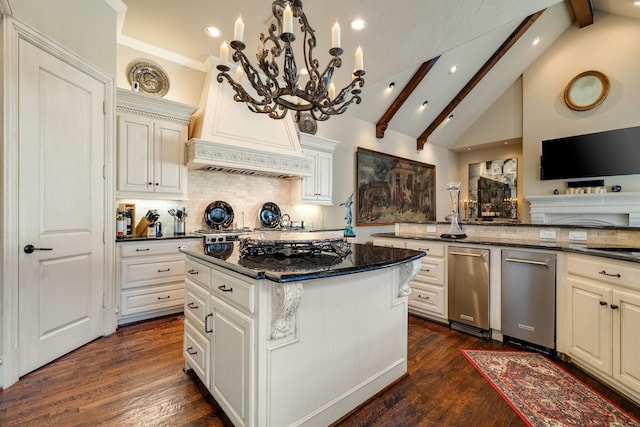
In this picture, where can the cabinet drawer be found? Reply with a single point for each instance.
(150, 248)
(431, 271)
(198, 272)
(616, 273)
(430, 248)
(196, 304)
(389, 242)
(427, 298)
(152, 298)
(142, 272)
(197, 350)
(231, 287)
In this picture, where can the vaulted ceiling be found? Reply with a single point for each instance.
(411, 43)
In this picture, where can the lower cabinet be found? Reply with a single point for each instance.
(604, 304)
(218, 337)
(232, 335)
(150, 279)
(428, 289)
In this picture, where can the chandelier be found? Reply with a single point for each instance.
(276, 86)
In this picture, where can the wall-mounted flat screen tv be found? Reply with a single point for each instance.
(615, 152)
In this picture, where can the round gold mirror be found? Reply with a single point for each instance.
(586, 90)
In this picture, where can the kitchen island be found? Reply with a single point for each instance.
(296, 340)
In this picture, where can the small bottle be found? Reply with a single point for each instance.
(120, 225)
(127, 219)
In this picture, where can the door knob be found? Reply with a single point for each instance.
(30, 248)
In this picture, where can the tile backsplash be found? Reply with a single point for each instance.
(244, 193)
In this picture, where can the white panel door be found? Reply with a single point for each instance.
(61, 207)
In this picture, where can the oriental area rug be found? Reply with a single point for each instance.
(542, 393)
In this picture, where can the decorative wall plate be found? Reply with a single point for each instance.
(151, 78)
(219, 215)
(269, 215)
(586, 90)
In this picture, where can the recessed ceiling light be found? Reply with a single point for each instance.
(636, 3)
(425, 103)
(453, 69)
(358, 24)
(450, 117)
(535, 41)
(212, 32)
(392, 85)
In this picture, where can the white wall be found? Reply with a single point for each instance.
(610, 45)
(85, 27)
(353, 133)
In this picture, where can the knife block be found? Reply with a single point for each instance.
(141, 228)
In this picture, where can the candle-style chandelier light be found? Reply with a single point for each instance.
(276, 86)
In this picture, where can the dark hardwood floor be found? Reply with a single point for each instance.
(135, 378)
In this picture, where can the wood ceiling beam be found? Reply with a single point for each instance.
(583, 12)
(413, 83)
(484, 70)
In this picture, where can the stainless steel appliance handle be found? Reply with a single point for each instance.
(527, 261)
(466, 254)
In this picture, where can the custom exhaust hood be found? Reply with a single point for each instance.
(227, 137)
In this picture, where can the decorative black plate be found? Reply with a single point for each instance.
(218, 215)
(269, 215)
(219, 250)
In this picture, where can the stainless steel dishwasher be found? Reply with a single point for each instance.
(468, 284)
(529, 299)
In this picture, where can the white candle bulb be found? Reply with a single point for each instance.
(238, 31)
(224, 53)
(287, 22)
(335, 35)
(239, 75)
(359, 59)
(332, 91)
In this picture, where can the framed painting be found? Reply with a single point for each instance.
(391, 189)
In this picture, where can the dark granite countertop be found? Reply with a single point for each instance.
(605, 251)
(288, 269)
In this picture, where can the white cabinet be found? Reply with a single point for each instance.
(318, 188)
(604, 319)
(428, 289)
(150, 279)
(231, 364)
(219, 336)
(151, 136)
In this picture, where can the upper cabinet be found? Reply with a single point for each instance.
(318, 188)
(152, 133)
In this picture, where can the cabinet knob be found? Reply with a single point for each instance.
(192, 271)
(603, 303)
(192, 305)
(157, 183)
(420, 296)
(224, 288)
(614, 307)
(191, 351)
(164, 271)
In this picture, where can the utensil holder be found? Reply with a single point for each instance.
(178, 227)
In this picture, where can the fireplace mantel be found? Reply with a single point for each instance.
(616, 209)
